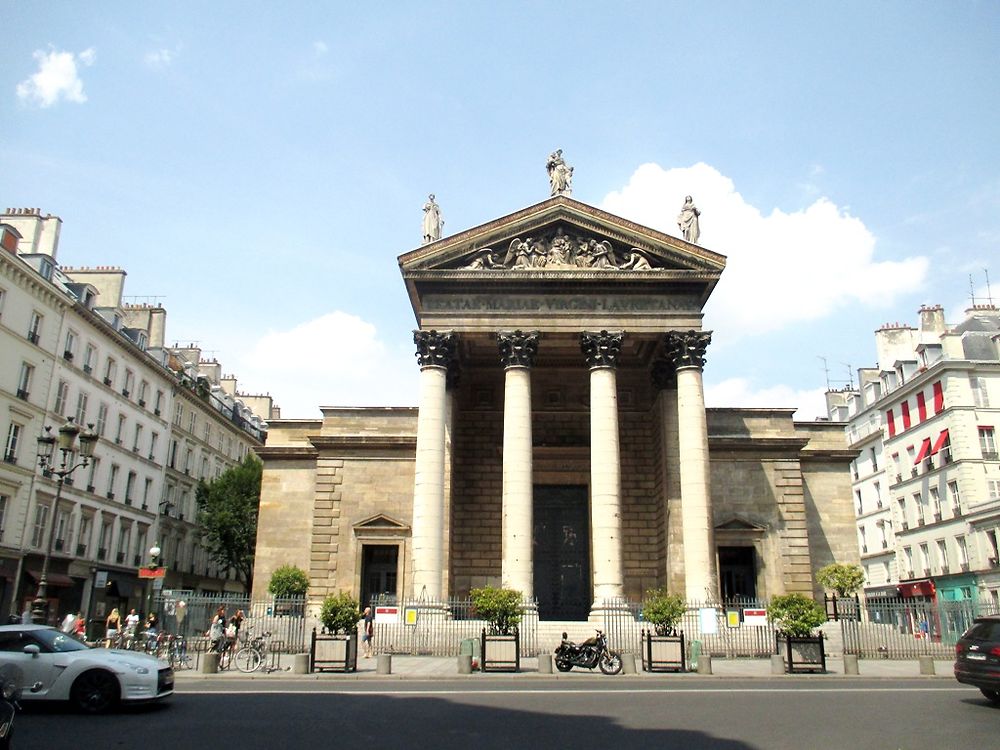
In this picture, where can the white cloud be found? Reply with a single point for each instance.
(160, 58)
(781, 268)
(738, 392)
(57, 78)
(337, 359)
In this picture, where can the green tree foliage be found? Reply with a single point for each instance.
(227, 513)
(287, 581)
(662, 610)
(501, 608)
(340, 613)
(846, 580)
(796, 615)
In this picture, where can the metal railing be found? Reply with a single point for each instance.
(437, 628)
(285, 619)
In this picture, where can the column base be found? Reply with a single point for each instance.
(602, 608)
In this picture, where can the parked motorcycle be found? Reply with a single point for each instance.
(593, 652)
(10, 691)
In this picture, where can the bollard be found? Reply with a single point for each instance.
(628, 664)
(210, 664)
(384, 665)
(926, 664)
(777, 664)
(465, 663)
(545, 663)
(851, 664)
(300, 664)
(705, 664)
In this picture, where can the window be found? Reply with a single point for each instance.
(140, 542)
(38, 530)
(105, 542)
(187, 461)
(904, 522)
(942, 548)
(10, 450)
(908, 553)
(874, 460)
(925, 558)
(83, 541)
(123, 540)
(157, 408)
(979, 396)
(178, 413)
(91, 479)
(127, 387)
(4, 499)
(911, 460)
(81, 408)
(143, 389)
(878, 494)
(152, 446)
(857, 495)
(89, 357)
(137, 438)
(172, 456)
(921, 407)
(112, 480)
(62, 396)
(3, 297)
(208, 433)
(863, 539)
(993, 488)
(192, 421)
(109, 371)
(24, 381)
(935, 502)
(890, 420)
(102, 418)
(991, 546)
(905, 408)
(129, 487)
(963, 551)
(69, 349)
(918, 501)
(64, 529)
(121, 429)
(953, 494)
(35, 327)
(938, 398)
(987, 443)
(145, 493)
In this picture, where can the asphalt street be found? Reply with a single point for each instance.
(729, 715)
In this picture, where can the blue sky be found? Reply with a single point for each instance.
(259, 167)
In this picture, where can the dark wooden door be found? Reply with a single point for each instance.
(562, 552)
(379, 565)
(737, 573)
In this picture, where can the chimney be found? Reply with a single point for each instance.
(932, 319)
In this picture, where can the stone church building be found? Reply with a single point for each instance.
(561, 445)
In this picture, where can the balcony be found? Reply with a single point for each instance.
(864, 549)
(937, 515)
(156, 412)
(120, 558)
(885, 544)
(899, 478)
(107, 381)
(10, 458)
(22, 394)
(88, 369)
(994, 562)
(91, 488)
(990, 455)
(81, 550)
(927, 572)
(125, 392)
(128, 501)
(137, 560)
(68, 355)
(142, 402)
(904, 525)
(59, 544)
(33, 337)
(111, 495)
(102, 553)
(965, 567)
(920, 521)
(945, 570)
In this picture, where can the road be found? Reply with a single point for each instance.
(725, 715)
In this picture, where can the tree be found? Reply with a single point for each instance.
(501, 608)
(796, 615)
(844, 579)
(288, 581)
(227, 513)
(663, 610)
(340, 613)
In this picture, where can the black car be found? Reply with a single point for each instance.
(977, 657)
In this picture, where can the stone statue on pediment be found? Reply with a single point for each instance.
(432, 220)
(560, 252)
(687, 220)
(560, 174)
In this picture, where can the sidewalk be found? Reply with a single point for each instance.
(446, 667)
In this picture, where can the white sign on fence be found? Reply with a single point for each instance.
(386, 613)
(755, 618)
(709, 623)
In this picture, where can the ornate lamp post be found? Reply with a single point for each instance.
(154, 564)
(68, 463)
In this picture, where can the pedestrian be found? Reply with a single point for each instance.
(80, 630)
(369, 631)
(236, 622)
(217, 629)
(112, 625)
(131, 622)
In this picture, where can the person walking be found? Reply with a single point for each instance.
(368, 617)
(111, 627)
(217, 630)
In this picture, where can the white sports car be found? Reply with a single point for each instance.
(58, 667)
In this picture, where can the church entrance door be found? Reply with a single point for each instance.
(562, 552)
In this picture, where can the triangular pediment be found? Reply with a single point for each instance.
(561, 236)
(380, 524)
(740, 524)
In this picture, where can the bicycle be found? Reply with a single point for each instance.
(253, 655)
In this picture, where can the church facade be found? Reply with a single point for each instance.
(561, 445)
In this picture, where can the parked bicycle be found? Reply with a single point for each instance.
(253, 655)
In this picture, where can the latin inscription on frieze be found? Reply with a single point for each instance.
(542, 303)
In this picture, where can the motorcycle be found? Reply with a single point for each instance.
(10, 691)
(593, 652)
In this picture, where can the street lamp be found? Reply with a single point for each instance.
(154, 564)
(67, 442)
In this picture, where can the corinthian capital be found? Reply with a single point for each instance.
(517, 348)
(435, 349)
(601, 349)
(687, 348)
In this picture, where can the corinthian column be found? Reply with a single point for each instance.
(687, 351)
(435, 352)
(601, 351)
(517, 354)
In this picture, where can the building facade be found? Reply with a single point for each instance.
(73, 347)
(927, 479)
(561, 445)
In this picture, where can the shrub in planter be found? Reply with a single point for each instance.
(845, 580)
(340, 614)
(663, 610)
(796, 615)
(288, 581)
(500, 607)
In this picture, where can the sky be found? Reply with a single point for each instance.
(258, 168)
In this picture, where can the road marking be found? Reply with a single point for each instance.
(564, 691)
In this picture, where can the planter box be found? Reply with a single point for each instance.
(335, 653)
(663, 653)
(801, 654)
(500, 653)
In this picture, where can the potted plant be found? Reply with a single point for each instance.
(845, 581)
(337, 647)
(501, 609)
(663, 646)
(288, 582)
(796, 618)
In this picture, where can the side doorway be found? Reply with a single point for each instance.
(737, 573)
(379, 572)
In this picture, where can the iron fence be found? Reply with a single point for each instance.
(285, 619)
(713, 628)
(898, 628)
(437, 628)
